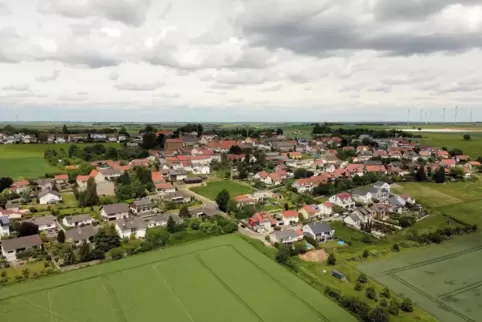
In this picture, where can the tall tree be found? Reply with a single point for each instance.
(65, 130)
(439, 175)
(27, 229)
(84, 252)
(5, 182)
(149, 141)
(106, 239)
(222, 200)
(89, 197)
(61, 236)
(171, 225)
(421, 175)
(184, 212)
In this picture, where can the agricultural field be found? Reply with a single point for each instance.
(444, 279)
(213, 188)
(27, 160)
(472, 147)
(185, 283)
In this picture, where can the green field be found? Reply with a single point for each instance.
(445, 280)
(451, 141)
(27, 160)
(220, 279)
(212, 189)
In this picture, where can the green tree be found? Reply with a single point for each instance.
(406, 305)
(72, 150)
(396, 248)
(232, 206)
(386, 292)
(332, 259)
(89, 197)
(222, 200)
(371, 293)
(61, 236)
(362, 278)
(117, 253)
(157, 236)
(27, 229)
(106, 239)
(149, 141)
(420, 174)
(25, 273)
(283, 255)
(171, 225)
(84, 252)
(111, 153)
(65, 130)
(184, 212)
(366, 253)
(439, 175)
(358, 287)
(393, 308)
(378, 315)
(467, 137)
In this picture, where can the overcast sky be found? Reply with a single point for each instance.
(240, 60)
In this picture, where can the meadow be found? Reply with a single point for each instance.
(213, 188)
(27, 160)
(472, 147)
(442, 279)
(185, 283)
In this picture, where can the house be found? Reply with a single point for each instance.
(79, 235)
(358, 217)
(262, 222)
(380, 210)
(165, 188)
(20, 186)
(397, 202)
(287, 237)
(128, 227)
(179, 197)
(193, 180)
(77, 220)
(141, 205)
(448, 163)
(177, 175)
(319, 231)
(380, 190)
(309, 211)
(284, 146)
(109, 174)
(361, 196)
(173, 144)
(161, 220)
(45, 184)
(443, 154)
(49, 197)
(203, 211)
(82, 182)
(290, 217)
(342, 200)
(4, 226)
(245, 200)
(62, 179)
(115, 211)
(325, 209)
(10, 247)
(157, 177)
(46, 224)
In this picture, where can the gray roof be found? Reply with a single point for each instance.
(178, 194)
(110, 172)
(142, 202)
(43, 220)
(288, 233)
(374, 190)
(77, 218)
(283, 144)
(203, 210)
(46, 192)
(81, 233)
(358, 192)
(21, 242)
(135, 222)
(4, 220)
(397, 201)
(378, 184)
(190, 139)
(105, 188)
(115, 208)
(161, 218)
(177, 172)
(320, 227)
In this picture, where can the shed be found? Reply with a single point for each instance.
(192, 180)
(338, 275)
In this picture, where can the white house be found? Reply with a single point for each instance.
(319, 231)
(165, 188)
(290, 217)
(361, 196)
(342, 200)
(4, 226)
(161, 220)
(109, 174)
(77, 220)
(115, 211)
(201, 169)
(49, 197)
(358, 217)
(132, 226)
(79, 235)
(10, 247)
(288, 236)
(325, 209)
(44, 223)
(380, 190)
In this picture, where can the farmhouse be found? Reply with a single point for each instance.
(10, 247)
(115, 211)
(318, 231)
(77, 220)
(135, 226)
(79, 235)
(290, 217)
(49, 197)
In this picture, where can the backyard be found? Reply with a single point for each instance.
(213, 188)
(185, 283)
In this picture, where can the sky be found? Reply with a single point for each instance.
(240, 60)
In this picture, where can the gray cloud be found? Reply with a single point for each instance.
(4, 10)
(47, 78)
(17, 87)
(129, 12)
(138, 87)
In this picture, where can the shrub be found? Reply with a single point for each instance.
(333, 292)
(393, 308)
(386, 292)
(267, 238)
(116, 253)
(378, 315)
(371, 293)
(4, 273)
(358, 287)
(406, 305)
(362, 278)
(395, 248)
(331, 259)
(366, 253)
(383, 303)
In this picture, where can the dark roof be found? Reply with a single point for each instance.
(110, 172)
(161, 218)
(285, 233)
(116, 208)
(320, 227)
(81, 233)
(135, 222)
(42, 220)
(190, 139)
(78, 218)
(203, 210)
(142, 202)
(21, 242)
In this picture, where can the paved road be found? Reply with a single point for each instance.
(208, 203)
(252, 234)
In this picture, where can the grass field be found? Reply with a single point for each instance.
(212, 189)
(27, 160)
(185, 283)
(451, 141)
(444, 279)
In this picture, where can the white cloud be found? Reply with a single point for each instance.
(271, 59)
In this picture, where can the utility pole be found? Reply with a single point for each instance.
(408, 117)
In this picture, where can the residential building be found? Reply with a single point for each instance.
(115, 211)
(361, 196)
(62, 179)
(47, 224)
(343, 200)
(141, 205)
(309, 211)
(380, 190)
(325, 209)
(287, 237)
(79, 235)
(157, 177)
(77, 220)
(106, 188)
(173, 144)
(4, 226)
(128, 227)
(109, 174)
(49, 197)
(319, 231)
(290, 217)
(20, 186)
(160, 220)
(11, 247)
(262, 222)
(358, 217)
(165, 188)
(179, 197)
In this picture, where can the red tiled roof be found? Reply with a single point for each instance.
(174, 141)
(164, 185)
(463, 157)
(21, 183)
(354, 167)
(309, 209)
(289, 213)
(262, 174)
(475, 163)
(93, 173)
(375, 168)
(62, 177)
(448, 162)
(157, 176)
(328, 204)
(165, 132)
(343, 195)
(83, 178)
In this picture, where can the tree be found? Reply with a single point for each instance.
(222, 200)
(157, 236)
(283, 255)
(279, 131)
(5, 182)
(395, 248)
(61, 236)
(235, 150)
(332, 259)
(72, 150)
(27, 229)
(117, 253)
(65, 130)
(386, 292)
(421, 175)
(406, 305)
(84, 252)
(89, 197)
(303, 173)
(366, 253)
(149, 141)
(106, 239)
(371, 293)
(111, 153)
(455, 152)
(184, 212)
(362, 278)
(358, 287)
(25, 273)
(232, 206)
(299, 247)
(393, 308)
(378, 315)
(171, 225)
(439, 175)
(467, 137)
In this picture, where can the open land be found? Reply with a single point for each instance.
(185, 283)
(212, 189)
(27, 160)
(441, 279)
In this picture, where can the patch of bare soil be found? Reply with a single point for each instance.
(317, 255)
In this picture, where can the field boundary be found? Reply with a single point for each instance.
(461, 290)
(114, 303)
(226, 286)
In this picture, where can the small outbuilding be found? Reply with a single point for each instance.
(193, 180)
(338, 275)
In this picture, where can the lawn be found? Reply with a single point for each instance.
(27, 160)
(185, 283)
(442, 279)
(212, 189)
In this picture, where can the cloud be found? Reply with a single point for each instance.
(4, 10)
(129, 12)
(48, 78)
(18, 87)
(114, 75)
(138, 87)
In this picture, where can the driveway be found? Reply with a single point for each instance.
(248, 232)
(207, 203)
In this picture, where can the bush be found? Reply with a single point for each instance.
(395, 248)
(384, 303)
(267, 238)
(393, 308)
(116, 253)
(333, 292)
(406, 305)
(371, 293)
(362, 278)
(4, 273)
(331, 259)
(358, 287)
(366, 253)
(378, 315)
(386, 292)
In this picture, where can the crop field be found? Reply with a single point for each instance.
(27, 160)
(220, 279)
(472, 147)
(212, 189)
(445, 280)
